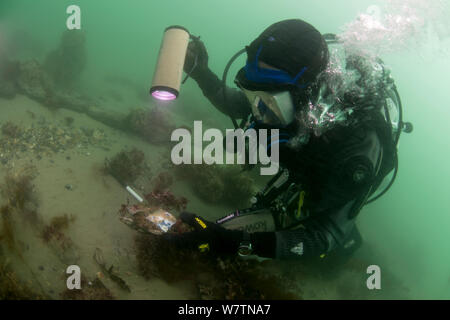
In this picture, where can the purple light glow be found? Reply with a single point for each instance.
(163, 95)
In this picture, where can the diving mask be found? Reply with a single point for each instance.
(274, 108)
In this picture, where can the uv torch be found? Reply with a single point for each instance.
(169, 67)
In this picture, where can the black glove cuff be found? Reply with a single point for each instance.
(264, 244)
(236, 237)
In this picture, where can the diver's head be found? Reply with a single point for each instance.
(281, 64)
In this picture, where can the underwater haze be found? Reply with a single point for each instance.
(67, 145)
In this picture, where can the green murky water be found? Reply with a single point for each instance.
(405, 232)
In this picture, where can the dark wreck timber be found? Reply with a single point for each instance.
(230, 309)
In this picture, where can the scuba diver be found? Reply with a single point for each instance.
(337, 143)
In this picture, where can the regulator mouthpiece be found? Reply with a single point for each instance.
(169, 67)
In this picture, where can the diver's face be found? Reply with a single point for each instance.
(274, 108)
(267, 89)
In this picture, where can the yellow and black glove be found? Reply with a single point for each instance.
(206, 237)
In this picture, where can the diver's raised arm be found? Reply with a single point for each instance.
(196, 65)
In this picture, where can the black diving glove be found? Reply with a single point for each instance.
(206, 237)
(196, 60)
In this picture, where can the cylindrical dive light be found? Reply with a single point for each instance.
(169, 68)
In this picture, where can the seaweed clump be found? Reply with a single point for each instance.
(205, 181)
(166, 200)
(213, 278)
(218, 184)
(162, 197)
(126, 166)
(157, 258)
(12, 288)
(90, 290)
(19, 189)
(236, 279)
(19, 193)
(55, 231)
(11, 130)
(162, 182)
(54, 235)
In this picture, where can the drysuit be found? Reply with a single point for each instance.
(337, 172)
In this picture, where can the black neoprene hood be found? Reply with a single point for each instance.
(291, 45)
